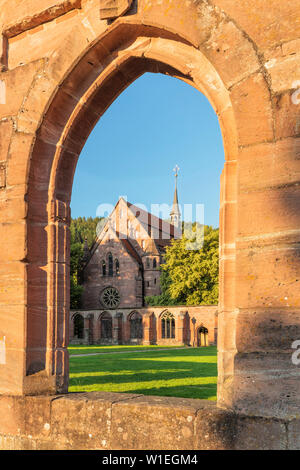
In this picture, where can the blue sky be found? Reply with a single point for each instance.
(156, 123)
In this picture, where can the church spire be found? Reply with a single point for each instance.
(175, 212)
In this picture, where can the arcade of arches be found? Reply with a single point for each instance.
(192, 326)
(63, 62)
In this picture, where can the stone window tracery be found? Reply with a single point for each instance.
(136, 326)
(103, 268)
(110, 265)
(106, 326)
(110, 297)
(117, 267)
(167, 326)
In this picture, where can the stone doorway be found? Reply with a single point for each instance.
(202, 337)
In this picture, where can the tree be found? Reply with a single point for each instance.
(81, 229)
(191, 276)
(75, 293)
(165, 297)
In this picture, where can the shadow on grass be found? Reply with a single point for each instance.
(77, 350)
(162, 373)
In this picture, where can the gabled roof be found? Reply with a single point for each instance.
(154, 224)
(159, 231)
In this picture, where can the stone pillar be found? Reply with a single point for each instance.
(126, 329)
(86, 330)
(91, 329)
(147, 328)
(227, 310)
(180, 330)
(193, 333)
(117, 328)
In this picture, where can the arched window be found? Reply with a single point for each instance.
(154, 263)
(147, 263)
(167, 325)
(117, 267)
(78, 326)
(110, 265)
(106, 326)
(136, 326)
(103, 268)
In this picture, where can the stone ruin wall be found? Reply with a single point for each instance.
(62, 64)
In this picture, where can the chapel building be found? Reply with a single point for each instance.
(120, 270)
(123, 265)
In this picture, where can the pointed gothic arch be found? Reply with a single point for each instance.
(78, 325)
(69, 134)
(80, 81)
(136, 325)
(105, 326)
(168, 325)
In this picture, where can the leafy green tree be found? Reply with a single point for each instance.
(165, 297)
(76, 256)
(75, 293)
(81, 229)
(191, 275)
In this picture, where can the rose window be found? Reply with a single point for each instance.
(110, 297)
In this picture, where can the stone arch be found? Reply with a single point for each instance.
(78, 325)
(106, 327)
(135, 321)
(178, 46)
(59, 143)
(167, 321)
(202, 336)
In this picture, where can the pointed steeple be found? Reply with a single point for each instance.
(175, 212)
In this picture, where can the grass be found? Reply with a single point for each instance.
(185, 372)
(75, 350)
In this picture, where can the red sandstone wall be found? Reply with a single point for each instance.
(245, 57)
(107, 421)
(95, 282)
(203, 315)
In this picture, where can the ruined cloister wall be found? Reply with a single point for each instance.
(62, 65)
(187, 321)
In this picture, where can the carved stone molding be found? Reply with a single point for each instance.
(110, 9)
(60, 211)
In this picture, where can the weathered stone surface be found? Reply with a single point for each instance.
(19, 17)
(92, 426)
(113, 8)
(293, 434)
(214, 429)
(253, 111)
(112, 421)
(247, 68)
(256, 433)
(6, 127)
(159, 422)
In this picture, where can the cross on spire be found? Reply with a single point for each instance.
(175, 212)
(176, 169)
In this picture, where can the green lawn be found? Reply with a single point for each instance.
(75, 350)
(185, 372)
